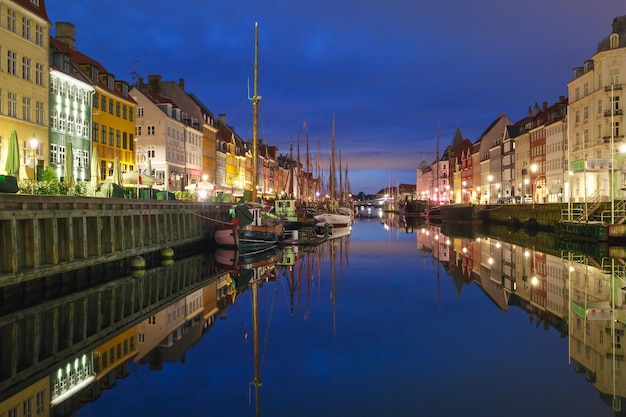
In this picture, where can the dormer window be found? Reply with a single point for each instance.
(614, 41)
(34, 3)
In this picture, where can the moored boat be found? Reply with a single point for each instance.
(252, 226)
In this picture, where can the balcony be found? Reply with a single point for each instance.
(616, 87)
(616, 112)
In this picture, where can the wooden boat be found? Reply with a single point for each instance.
(252, 226)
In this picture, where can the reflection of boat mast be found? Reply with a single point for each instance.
(255, 325)
(333, 294)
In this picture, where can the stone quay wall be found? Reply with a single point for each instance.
(46, 235)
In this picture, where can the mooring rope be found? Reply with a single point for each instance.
(206, 218)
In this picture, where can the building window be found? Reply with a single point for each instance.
(34, 3)
(110, 106)
(12, 105)
(39, 109)
(150, 130)
(39, 74)
(95, 132)
(11, 20)
(27, 408)
(130, 114)
(103, 103)
(11, 63)
(103, 134)
(26, 109)
(62, 122)
(614, 41)
(117, 108)
(25, 28)
(39, 35)
(40, 402)
(70, 124)
(586, 113)
(54, 119)
(139, 111)
(26, 68)
(53, 154)
(124, 111)
(96, 100)
(118, 138)
(111, 133)
(138, 130)
(614, 76)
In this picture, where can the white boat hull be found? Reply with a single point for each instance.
(335, 220)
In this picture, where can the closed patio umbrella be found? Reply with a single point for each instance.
(117, 172)
(12, 166)
(95, 167)
(68, 172)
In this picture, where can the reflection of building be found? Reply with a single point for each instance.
(166, 327)
(35, 398)
(597, 330)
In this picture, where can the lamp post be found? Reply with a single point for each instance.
(533, 169)
(34, 144)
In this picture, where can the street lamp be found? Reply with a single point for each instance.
(34, 144)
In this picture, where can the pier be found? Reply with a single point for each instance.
(42, 236)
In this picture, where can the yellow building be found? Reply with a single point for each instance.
(24, 44)
(114, 111)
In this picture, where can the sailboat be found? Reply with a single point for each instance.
(340, 223)
(253, 224)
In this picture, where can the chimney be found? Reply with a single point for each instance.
(530, 112)
(222, 119)
(545, 105)
(155, 83)
(66, 33)
(181, 83)
(536, 109)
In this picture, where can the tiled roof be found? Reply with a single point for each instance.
(39, 10)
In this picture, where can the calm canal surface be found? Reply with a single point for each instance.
(392, 320)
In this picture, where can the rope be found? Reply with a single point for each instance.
(206, 218)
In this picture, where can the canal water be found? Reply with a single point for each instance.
(396, 319)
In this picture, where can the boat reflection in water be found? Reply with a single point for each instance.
(73, 354)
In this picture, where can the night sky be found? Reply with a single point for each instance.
(391, 72)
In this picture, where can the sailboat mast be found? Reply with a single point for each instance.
(332, 162)
(308, 167)
(340, 179)
(255, 113)
(437, 162)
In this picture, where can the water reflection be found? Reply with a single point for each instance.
(65, 352)
(580, 296)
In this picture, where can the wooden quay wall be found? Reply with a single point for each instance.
(46, 235)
